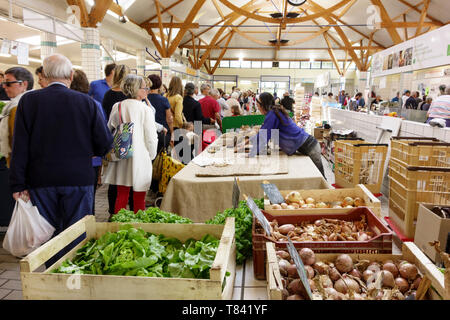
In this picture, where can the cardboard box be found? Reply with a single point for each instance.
(319, 133)
(430, 227)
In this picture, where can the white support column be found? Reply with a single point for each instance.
(48, 44)
(91, 54)
(140, 62)
(107, 52)
(165, 65)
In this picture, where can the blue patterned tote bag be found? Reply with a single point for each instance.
(123, 140)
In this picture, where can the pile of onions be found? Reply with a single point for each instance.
(345, 279)
(294, 201)
(321, 230)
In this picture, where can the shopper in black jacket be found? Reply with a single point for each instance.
(192, 109)
(57, 132)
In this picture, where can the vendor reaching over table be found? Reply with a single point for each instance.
(292, 138)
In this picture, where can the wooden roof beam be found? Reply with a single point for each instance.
(426, 4)
(224, 50)
(84, 14)
(160, 26)
(163, 11)
(98, 12)
(386, 19)
(415, 8)
(189, 19)
(331, 53)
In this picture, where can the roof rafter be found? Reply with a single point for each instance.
(415, 8)
(386, 19)
(423, 15)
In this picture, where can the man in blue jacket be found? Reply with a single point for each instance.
(57, 132)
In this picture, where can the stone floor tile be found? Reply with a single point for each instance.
(12, 285)
(239, 276)
(10, 275)
(236, 294)
(4, 293)
(8, 258)
(255, 294)
(10, 266)
(250, 280)
(14, 295)
(2, 281)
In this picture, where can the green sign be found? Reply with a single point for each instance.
(448, 50)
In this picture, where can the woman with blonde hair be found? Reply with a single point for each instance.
(135, 172)
(115, 94)
(112, 96)
(175, 97)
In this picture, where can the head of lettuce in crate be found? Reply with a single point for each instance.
(283, 131)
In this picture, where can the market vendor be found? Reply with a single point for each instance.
(292, 138)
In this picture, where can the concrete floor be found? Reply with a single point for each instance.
(246, 286)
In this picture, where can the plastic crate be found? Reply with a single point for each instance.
(382, 243)
(358, 162)
(409, 186)
(420, 152)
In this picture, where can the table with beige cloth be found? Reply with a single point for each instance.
(200, 198)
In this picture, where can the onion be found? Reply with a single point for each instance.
(332, 294)
(284, 205)
(321, 267)
(397, 295)
(286, 228)
(389, 266)
(355, 272)
(344, 263)
(318, 223)
(311, 205)
(283, 265)
(326, 281)
(374, 268)
(358, 202)
(357, 296)
(295, 205)
(321, 205)
(416, 283)
(276, 207)
(308, 256)
(294, 196)
(295, 297)
(290, 207)
(408, 271)
(388, 279)
(283, 254)
(345, 284)
(312, 285)
(367, 274)
(363, 237)
(304, 206)
(309, 272)
(284, 294)
(334, 274)
(402, 284)
(292, 271)
(310, 200)
(348, 201)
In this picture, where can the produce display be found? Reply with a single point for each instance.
(346, 279)
(243, 224)
(322, 230)
(134, 252)
(150, 215)
(294, 200)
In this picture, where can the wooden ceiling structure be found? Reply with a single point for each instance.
(315, 20)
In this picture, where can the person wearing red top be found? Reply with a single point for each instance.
(211, 108)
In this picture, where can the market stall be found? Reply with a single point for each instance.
(199, 198)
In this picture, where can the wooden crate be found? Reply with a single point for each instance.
(410, 252)
(49, 286)
(409, 186)
(420, 152)
(358, 162)
(380, 243)
(328, 195)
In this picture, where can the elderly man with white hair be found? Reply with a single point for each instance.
(57, 132)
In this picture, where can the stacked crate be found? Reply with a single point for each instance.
(359, 162)
(419, 172)
(316, 109)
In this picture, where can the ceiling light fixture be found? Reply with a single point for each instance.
(122, 19)
(296, 3)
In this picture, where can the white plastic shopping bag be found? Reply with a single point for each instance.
(27, 230)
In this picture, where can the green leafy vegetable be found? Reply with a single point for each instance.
(150, 215)
(133, 252)
(243, 223)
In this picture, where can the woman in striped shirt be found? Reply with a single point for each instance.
(440, 108)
